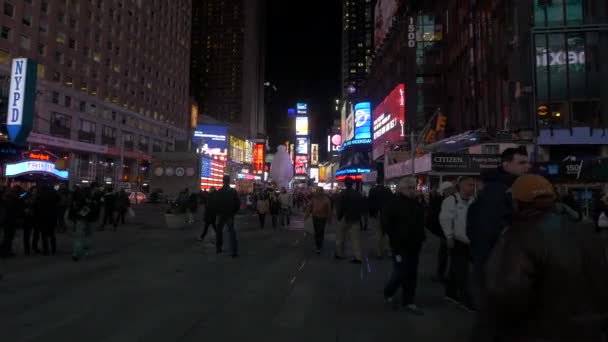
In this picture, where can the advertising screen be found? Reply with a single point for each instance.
(383, 20)
(301, 125)
(350, 127)
(212, 172)
(258, 158)
(302, 108)
(301, 165)
(389, 120)
(237, 149)
(302, 146)
(314, 173)
(211, 139)
(314, 154)
(363, 120)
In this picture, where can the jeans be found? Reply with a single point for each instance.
(10, 226)
(48, 237)
(262, 218)
(120, 217)
(319, 225)
(219, 232)
(344, 229)
(457, 285)
(82, 240)
(405, 274)
(442, 258)
(208, 222)
(285, 217)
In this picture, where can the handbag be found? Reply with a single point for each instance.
(130, 212)
(602, 221)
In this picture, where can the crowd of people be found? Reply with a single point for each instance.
(41, 210)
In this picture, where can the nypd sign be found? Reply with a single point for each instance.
(21, 99)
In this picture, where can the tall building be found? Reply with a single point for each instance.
(111, 74)
(357, 43)
(227, 62)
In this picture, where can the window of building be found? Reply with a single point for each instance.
(6, 32)
(27, 19)
(5, 57)
(44, 6)
(60, 38)
(42, 49)
(61, 17)
(67, 101)
(558, 12)
(69, 63)
(61, 120)
(72, 43)
(109, 132)
(87, 126)
(59, 58)
(44, 27)
(56, 76)
(73, 23)
(25, 42)
(55, 97)
(68, 80)
(9, 9)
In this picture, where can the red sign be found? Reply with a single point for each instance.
(354, 177)
(258, 158)
(39, 156)
(389, 120)
(301, 165)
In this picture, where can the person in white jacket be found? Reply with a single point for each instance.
(453, 220)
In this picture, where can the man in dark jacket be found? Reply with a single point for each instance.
(210, 212)
(109, 204)
(228, 204)
(350, 207)
(436, 198)
(13, 210)
(122, 206)
(84, 210)
(403, 220)
(547, 275)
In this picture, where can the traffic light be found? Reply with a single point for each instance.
(125, 178)
(430, 137)
(441, 123)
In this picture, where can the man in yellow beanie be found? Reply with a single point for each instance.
(547, 275)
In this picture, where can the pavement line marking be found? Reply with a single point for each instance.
(302, 266)
(293, 280)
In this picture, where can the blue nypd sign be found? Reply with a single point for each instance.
(21, 98)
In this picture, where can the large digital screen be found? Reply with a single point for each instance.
(314, 154)
(301, 165)
(211, 139)
(384, 13)
(25, 167)
(302, 146)
(350, 126)
(363, 120)
(212, 172)
(301, 125)
(389, 120)
(314, 173)
(302, 108)
(258, 158)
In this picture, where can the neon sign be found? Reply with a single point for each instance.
(13, 170)
(38, 156)
(355, 177)
(352, 171)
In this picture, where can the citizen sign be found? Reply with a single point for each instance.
(448, 159)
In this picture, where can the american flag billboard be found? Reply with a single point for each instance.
(212, 172)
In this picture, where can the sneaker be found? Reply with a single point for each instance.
(318, 251)
(391, 303)
(337, 257)
(355, 261)
(414, 309)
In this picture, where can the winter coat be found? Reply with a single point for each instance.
(227, 202)
(263, 206)
(350, 206)
(403, 221)
(453, 217)
(319, 206)
(210, 207)
(489, 214)
(546, 280)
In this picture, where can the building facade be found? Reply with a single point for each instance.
(227, 61)
(357, 43)
(112, 79)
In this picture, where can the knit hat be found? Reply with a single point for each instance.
(533, 189)
(444, 186)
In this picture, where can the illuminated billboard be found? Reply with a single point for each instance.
(314, 154)
(258, 158)
(350, 126)
(212, 172)
(301, 165)
(314, 173)
(301, 125)
(384, 13)
(237, 149)
(302, 108)
(211, 139)
(302, 146)
(389, 120)
(334, 142)
(363, 120)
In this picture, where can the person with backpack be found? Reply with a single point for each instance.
(453, 220)
(434, 226)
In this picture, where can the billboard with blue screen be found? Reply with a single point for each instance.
(212, 138)
(363, 120)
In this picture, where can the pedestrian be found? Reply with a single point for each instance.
(547, 276)
(320, 210)
(378, 195)
(122, 206)
(286, 202)
(109, 206)
(31, 229)
(364, 213)
(64, 203)
(436, 198)
(13, 211)
(210, 213)
(192, 206)
(227, 204)
(350, 209)
(275, 208)
(84, 211)
(46, 203)
(453, 220)
(403, 220)
(263, 207)
(487, 217)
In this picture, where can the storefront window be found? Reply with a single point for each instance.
(558, 12)
(557, 66)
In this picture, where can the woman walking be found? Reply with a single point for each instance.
(320, 209)
(263, 207)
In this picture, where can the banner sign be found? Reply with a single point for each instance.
(464, 163)
(21, 98)
(25, 167)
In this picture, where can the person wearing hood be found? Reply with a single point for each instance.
(403, 220)
(547, 276)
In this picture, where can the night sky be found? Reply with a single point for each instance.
(303, 61)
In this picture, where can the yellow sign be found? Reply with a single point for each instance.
(237, 149)
(248, 151)
(322, 174)
(193, 116)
